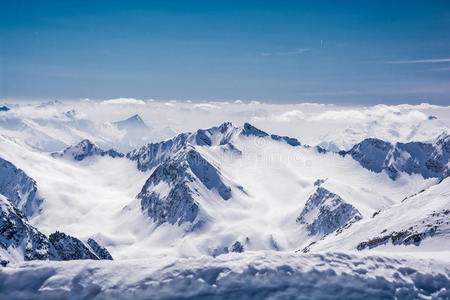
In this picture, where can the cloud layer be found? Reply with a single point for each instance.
(311, 123)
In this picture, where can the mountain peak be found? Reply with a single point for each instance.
(136, 118)
(134, 122)
(325, 212)
(84, 149)
(249, 129)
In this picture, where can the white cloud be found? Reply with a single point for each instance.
(206, 106)
(123, 101)
(419, 61)
(290, 116)
(338, 115)
(311, 123)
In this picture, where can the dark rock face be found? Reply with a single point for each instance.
(84, 149)
(18, 235)
(16, 232)
(325, 212)
(98, 250)
(69, 248)
(250, 130)
(19, 188)
(181, 177)
(429, 160)
(290, 141)
(4, 108)
(178, 206)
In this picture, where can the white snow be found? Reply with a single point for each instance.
(269, 182)
(252, 275)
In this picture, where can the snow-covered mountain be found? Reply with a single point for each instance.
(19, 240)
(427, 159)
(19, 188)
(420, 221)
(325, 212)
(224, 192)
(84, 149)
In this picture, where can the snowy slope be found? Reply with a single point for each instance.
(419, 222)
(256, 275)
(19, 188)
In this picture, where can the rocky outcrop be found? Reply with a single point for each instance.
(167, 196)
(99, 251)
(434, 224)
(70, 248)
(325, 212)
(17, 234)
(290, 141)
(85, 149)
(19, 188)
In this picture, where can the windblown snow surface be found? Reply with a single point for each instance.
(231, 211)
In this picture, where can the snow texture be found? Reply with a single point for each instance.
(264, 275)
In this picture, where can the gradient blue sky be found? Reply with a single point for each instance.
(344, 52)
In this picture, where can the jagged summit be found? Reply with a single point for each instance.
(325, 212)
(84, 149)
(151, 154)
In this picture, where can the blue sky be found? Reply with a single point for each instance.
(344, 52)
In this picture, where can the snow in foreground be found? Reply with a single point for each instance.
(251, 275)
